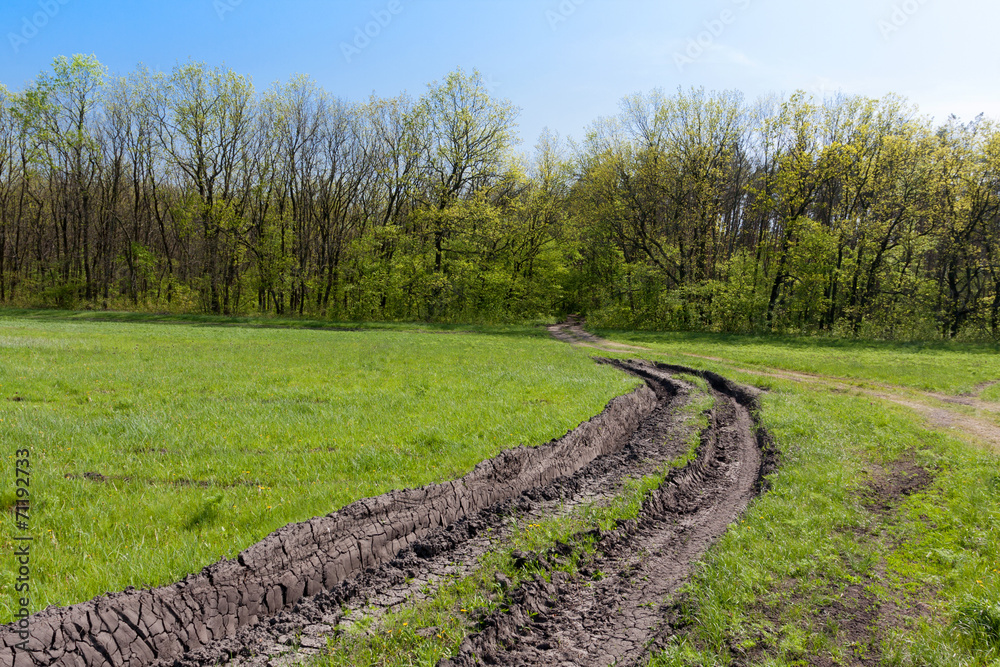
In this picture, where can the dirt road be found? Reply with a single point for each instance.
(965, 415)
(279, 600)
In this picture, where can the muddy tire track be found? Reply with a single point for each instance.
(136, 627)
(613, 620)
(306, 580)
(417, 571)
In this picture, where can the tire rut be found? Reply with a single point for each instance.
(415, 573)
(577, 621)
(282, 597)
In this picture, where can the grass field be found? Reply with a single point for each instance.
(160, 447)
(207, 434)
(815, 570)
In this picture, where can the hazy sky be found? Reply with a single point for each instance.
(563, 62)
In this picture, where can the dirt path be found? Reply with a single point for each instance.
(939, 410)
(279, 600)
(580, 621)
(970, 399)
(136, 627)
(571, 331)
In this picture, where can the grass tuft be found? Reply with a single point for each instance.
(979, 622)
(205, 513)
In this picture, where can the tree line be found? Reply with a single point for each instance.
(190, 190)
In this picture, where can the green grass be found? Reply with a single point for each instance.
(932, 564)
(950, 368)
(528, 329)
(209, 437)
(424, 632)
(211, 432)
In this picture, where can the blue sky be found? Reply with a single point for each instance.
(563, 62)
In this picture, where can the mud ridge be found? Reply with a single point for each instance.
(138, 627)
(571, 620)
(416, 573)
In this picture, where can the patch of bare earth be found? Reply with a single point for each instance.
(844, 622)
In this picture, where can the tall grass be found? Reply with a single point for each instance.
(159, 448)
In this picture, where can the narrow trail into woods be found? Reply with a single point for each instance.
(941, 411)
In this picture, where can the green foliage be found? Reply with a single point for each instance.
(793, 217)
(694, 211)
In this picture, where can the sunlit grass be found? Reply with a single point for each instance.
(203, 439)
(800, 546)
(951, 368)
